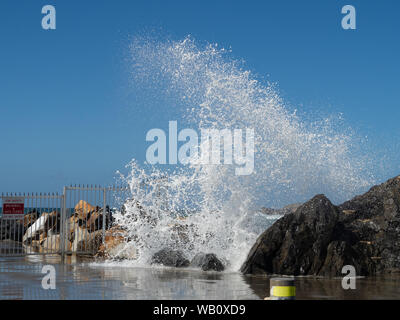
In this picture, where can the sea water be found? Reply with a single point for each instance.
(207, 208)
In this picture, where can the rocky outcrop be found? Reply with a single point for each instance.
(170, 258)
(207, 262)
(320, 238)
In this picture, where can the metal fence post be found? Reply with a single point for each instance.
(104, 214)
(55, 213)
(63, 224)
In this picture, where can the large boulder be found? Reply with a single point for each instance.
(72, 223)
(114, 243)
(296, 243)
(170, 258)
(87, 242)
(51, 244)
(84, 209)
(370, 225)
(320, 238)
(38, 230)
(207, 262)
(91, 217)
(84, 241)
(30, 218)
(94, 242)
(95, 221)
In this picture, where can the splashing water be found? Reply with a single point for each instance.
(208, 208)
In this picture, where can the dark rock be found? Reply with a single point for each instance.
(115, 238)
(30, 218)
(296, 243)
(39, 229)
(170, 258)
(291, 208)
(285, 210)
(320, 238)
(95, 220)
(270, 212)
(84, 209)
(207, 262)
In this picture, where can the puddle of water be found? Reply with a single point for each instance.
(21, 277)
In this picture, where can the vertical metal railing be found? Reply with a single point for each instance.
(36, 230)
(50, 225)
(74, 222)
(104, 214)
(88, 216)
(62, 228)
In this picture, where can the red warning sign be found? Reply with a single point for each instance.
(13, 207)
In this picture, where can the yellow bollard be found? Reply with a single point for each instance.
(282, 289)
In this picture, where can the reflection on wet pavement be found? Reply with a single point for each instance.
(21, 277)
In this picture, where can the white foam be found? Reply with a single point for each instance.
(294, 159)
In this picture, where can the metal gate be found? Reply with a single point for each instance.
(74, 222)
(31, 230)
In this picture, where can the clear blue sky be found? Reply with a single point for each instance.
(65, 102)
